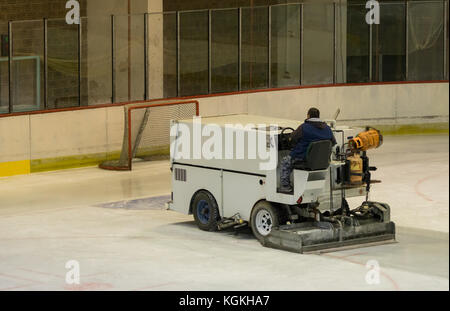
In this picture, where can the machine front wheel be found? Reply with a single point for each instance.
(264, 217)
(205, 210)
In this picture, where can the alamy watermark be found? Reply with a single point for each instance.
(73, 275)
(373, 16)
(229, 142)
(373, 275)
(73, 15)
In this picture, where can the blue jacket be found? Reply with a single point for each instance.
(310, 131)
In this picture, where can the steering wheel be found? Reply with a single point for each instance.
(284, 142)
(287, 128)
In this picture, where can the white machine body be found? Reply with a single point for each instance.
(238, 184)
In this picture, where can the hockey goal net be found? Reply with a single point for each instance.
(147, 130)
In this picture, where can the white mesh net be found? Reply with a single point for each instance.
(147, 130)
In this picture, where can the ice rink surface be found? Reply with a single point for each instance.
(114, 224)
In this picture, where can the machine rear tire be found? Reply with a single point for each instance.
(205, 210)
(264, 217)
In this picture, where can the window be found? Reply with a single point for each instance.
(27, 74)
(285, 55)
(225, 51)
(389, 44)
(425, 41)
(255, 45)
(318, 44)
(194, 55)
(357, 44)
(170, 55)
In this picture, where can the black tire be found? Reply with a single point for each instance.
(260, 213)
(205, 210)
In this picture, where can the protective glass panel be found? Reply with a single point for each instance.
(62, 64)
(84, 90)
(447, 40)
(225, 51)
(97, 58)
(358, 44)
(4, 92)
(169, 56)
(155, 55)
(27, 73)
(129, 53)
(318, 43)
(255, 48)
(285, 55)
(389, 44)
(194, 60)
(425, 41)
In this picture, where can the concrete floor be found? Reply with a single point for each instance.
(50, 218)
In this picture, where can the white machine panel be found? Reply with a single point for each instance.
(192, 180)
(240, 193)
(308, 185)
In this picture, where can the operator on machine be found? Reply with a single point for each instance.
(314, 129)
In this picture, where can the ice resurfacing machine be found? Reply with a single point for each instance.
(225, 192)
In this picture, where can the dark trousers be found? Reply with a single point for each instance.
(286, 170)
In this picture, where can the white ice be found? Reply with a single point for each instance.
(47, 219)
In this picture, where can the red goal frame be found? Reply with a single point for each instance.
(129, 110)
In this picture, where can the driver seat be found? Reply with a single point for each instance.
(317, 157)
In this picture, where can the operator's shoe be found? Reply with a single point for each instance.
(286, 189)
